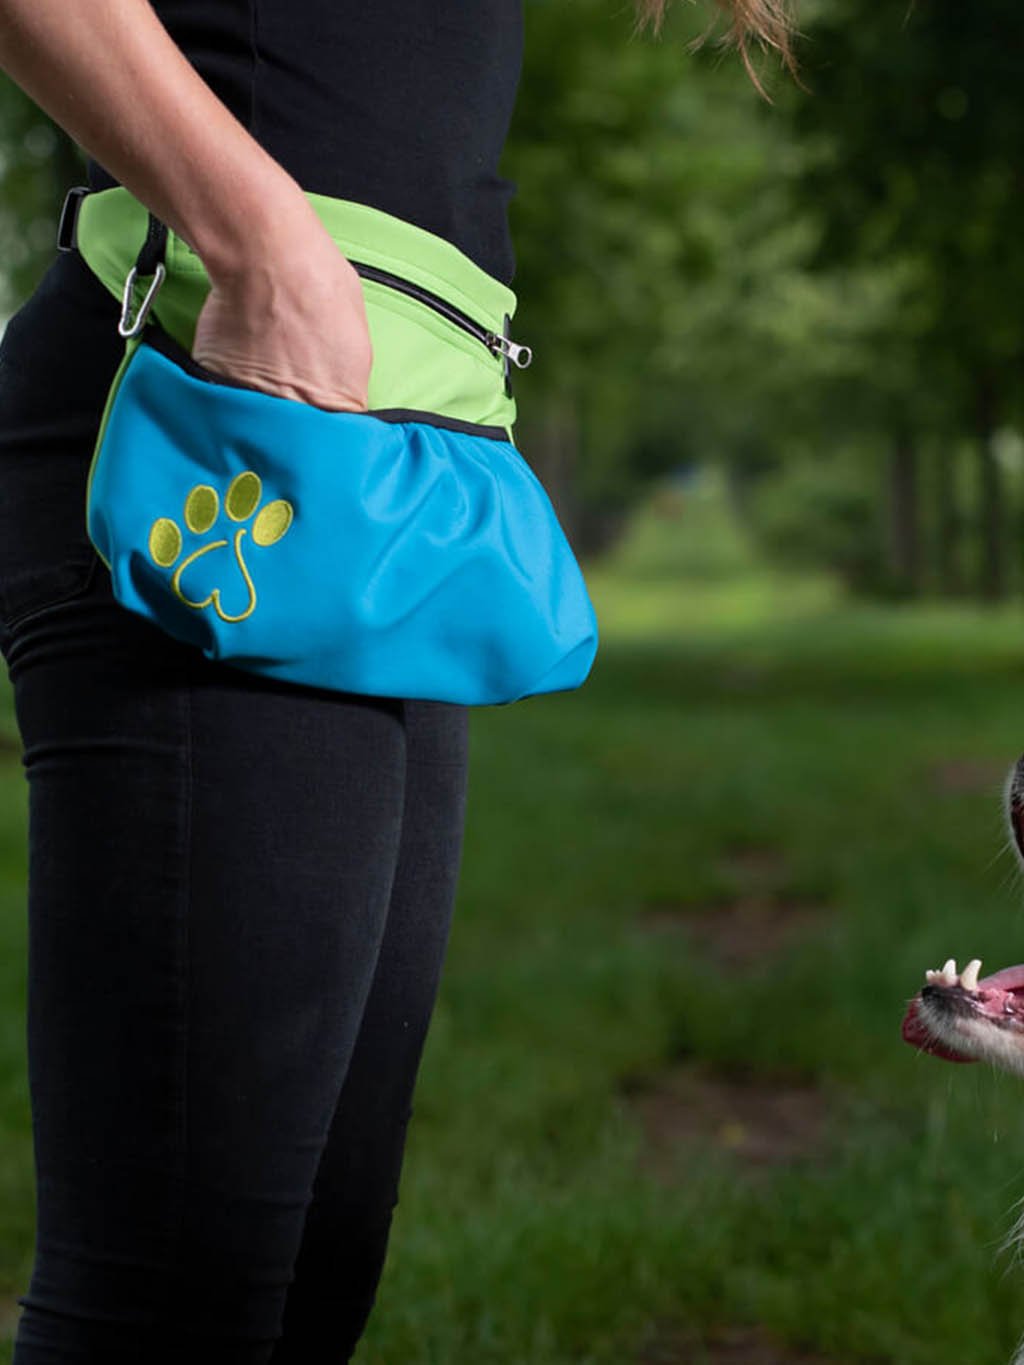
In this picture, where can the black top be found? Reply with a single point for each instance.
(401, 104)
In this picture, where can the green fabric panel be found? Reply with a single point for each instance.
(420, 360)
(129, 349)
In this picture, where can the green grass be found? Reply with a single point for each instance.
(728, 707)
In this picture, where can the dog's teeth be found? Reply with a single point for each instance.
(969, 975)
(947, 974)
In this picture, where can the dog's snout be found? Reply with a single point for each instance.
(938, 994)
(951, 1001)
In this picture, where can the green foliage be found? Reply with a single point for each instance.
(913, 135)
(38, 162)
(652, 238)
(823, 510)
(910, 147)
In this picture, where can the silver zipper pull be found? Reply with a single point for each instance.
(519, 355)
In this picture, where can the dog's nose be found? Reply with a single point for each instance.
(952, 1001)
(936, 992)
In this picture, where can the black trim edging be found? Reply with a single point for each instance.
(160, 339)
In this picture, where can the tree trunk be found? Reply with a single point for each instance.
(947, 542)
(904, 532)
(992, 579)
(554, 451)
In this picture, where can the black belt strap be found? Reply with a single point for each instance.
(151, 253)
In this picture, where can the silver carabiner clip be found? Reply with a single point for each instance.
(136, 327)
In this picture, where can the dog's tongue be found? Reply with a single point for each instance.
(1008, 980)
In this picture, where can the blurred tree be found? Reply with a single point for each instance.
(639, 170)
(38, 163)
(915, 137)
(663, 280)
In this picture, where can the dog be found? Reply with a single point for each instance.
(962, 1017)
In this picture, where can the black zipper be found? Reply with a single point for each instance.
(157, 337)
(496, 342)
(152, 251)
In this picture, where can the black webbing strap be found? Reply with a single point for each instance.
(149, 261)
(151, 253)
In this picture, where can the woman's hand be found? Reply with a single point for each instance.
(291, 320)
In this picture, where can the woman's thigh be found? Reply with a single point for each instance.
(349, 1219)
(210, 868)
(211, 862)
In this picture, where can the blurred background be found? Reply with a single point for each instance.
(665, 1115)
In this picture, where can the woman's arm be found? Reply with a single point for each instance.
(285, 310)
(110, 74)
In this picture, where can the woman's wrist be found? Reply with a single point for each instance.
(253, 219)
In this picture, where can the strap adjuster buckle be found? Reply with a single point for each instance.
(67, 228)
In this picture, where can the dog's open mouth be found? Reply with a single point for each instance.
(966, 1019)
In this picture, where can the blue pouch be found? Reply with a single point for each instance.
(363, 552)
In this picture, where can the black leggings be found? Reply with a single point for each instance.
(239, 898)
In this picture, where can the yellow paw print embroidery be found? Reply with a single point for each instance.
(201, 508)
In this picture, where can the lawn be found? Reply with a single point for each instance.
(665, 1116)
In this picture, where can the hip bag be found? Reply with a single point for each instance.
(405, 551)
